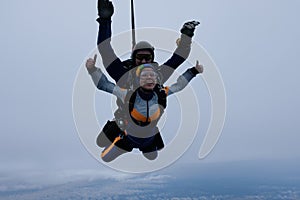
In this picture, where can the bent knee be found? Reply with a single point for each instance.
(151, 155)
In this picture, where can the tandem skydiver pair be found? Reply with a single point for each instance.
(141, 96)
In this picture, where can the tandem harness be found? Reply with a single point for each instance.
(115, 131)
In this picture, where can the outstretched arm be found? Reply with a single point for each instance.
(101, 81)
(181, 52)
(185, 78)
(105, 12)
(111, 62)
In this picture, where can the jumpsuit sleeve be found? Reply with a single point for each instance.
(182, 81)
(114, 66)
(102, 83)
(178, 57)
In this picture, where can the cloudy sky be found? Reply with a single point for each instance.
(255, 45)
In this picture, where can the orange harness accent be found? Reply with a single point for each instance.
(111, 145)
(138, 116)
(166, 89)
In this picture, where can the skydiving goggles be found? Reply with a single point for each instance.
(147, 57)
(148, 74)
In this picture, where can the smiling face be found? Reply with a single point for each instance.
(148, 78)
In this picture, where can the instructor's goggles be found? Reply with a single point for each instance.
(147, 57)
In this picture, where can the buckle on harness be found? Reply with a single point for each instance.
(122, 123)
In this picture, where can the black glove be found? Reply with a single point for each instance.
(194, 71)
(105, 9)
(189, 28)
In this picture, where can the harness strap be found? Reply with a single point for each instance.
(107, 150)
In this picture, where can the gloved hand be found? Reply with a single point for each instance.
(198, 69)
(189, 28)
(90, 64)
(105, 9)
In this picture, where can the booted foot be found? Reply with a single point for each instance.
(109, 154)
(150, 155)
(102, 140)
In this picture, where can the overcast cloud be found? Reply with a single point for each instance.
(255, 45)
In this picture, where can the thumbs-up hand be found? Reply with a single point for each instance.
(199, 67)
(90, 63)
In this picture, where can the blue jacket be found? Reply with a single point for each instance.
(144, 108)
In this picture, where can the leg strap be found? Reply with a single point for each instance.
(107, 150)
